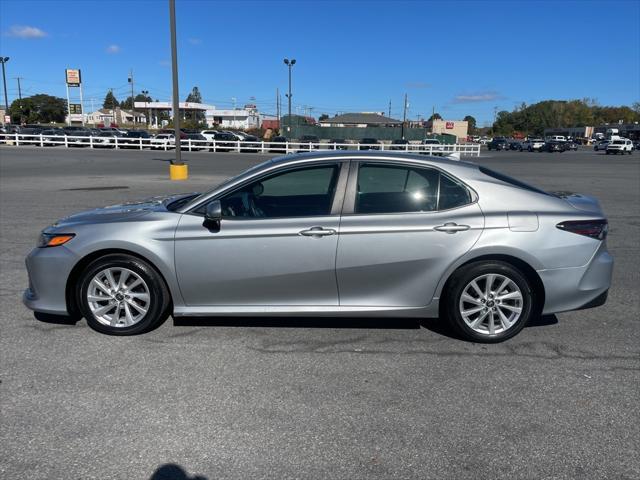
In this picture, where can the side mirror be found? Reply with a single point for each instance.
(213, 212)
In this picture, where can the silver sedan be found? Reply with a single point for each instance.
(329, 234)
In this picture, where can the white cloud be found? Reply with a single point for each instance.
(477, 97)
(113, 48)
(25, 31)
(194, 41)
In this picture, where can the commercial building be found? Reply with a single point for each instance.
(360, 120)
(627, 130)
(458, 128)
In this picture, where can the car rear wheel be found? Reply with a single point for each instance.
(488, 302)
(122, 295)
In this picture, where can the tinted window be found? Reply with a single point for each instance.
(396, 189)
(296, 193)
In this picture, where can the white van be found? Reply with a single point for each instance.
(558, 138)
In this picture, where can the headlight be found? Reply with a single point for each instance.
(54, 239)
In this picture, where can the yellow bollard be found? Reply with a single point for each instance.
(178, 172)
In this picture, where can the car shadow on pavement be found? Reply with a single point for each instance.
(171, 471)
(299, 322)
(435, 325)
(55, 319)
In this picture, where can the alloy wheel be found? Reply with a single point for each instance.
(118, 297)
(491, 304)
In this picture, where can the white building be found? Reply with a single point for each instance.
(106, 117)
(240, 118)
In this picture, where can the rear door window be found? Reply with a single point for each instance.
(399, 189)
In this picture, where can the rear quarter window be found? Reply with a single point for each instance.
(511, 181)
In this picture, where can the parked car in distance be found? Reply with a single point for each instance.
(498, 143)
(195, 142)
(52, 137)
(278, 144)
(224, 142)
(515, 145)
(30, 135)
(338, 144)
(106, 139)
(78, 138)
(601, 145)
(250, 144)
(620, 145)
(572, 145)
(557, 138)
(135, 138)
(308, 142)
(209, 134)
(532, 144)
(399, 144)
(369, 144)
(432, 146)
(163, 141)
(365, 234)
(554, 146)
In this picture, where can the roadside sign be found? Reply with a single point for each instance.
(73, 77)
(75, 108)
(449, 125)
(7, 119)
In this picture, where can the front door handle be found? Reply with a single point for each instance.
(317, 232)
(451, 227)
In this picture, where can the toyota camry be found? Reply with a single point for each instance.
(331, 234)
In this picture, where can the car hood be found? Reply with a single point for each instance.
(122, 212)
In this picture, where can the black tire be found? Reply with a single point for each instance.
(463, 276)
(159, 302)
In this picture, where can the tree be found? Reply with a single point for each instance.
(472, 124)
(40, 108)
(435, 116)
(196, 97)
(128, 105)
(110, 101)
(322, 117)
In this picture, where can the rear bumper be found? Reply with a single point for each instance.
(576, 288)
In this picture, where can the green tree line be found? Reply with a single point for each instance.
(533, 119)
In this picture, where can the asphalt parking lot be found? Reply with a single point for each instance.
(301, 398)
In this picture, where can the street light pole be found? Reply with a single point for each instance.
(4, 60)
(290, 64)
(174, 71)
(146, 104)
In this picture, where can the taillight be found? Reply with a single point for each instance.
(590, 228)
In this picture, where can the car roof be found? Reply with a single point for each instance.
(376, 156)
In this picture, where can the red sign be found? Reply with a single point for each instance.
(449, 125)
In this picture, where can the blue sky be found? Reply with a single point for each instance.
(459, 57)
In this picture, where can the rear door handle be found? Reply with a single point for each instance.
(451, 227)
(317, 232)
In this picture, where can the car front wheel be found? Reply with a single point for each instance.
(489, 302)
(122, 295)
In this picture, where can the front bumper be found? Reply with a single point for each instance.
(48, 270)
(575, 288)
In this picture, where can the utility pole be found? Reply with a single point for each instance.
(4, 60)
(290, 64)
(133, 113)
(278, 106)
(174, 72)
(404, 115)
(20, 98)
(389, 108)
(233, 99)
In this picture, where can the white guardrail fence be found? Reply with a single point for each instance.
(17, 139)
